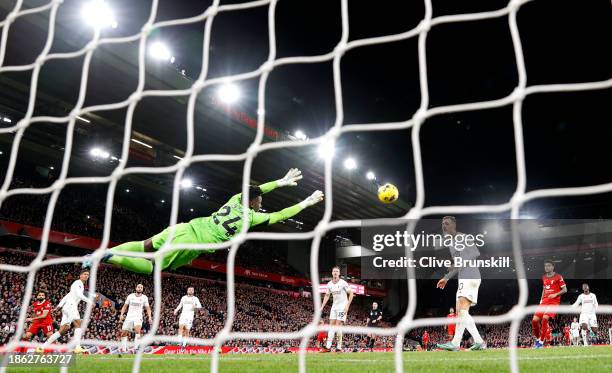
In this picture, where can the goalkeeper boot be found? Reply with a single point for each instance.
(477, 346)
(88, 261)
(448, 346)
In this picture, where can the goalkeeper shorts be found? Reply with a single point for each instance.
(183, 233)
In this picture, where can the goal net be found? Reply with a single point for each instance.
(415, 123)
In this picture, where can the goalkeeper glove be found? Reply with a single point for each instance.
(290, 179)
(314, 198)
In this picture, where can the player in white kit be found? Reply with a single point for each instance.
(467, 289)
(134, 304)
(342, 298)
(587, 319)
(189, 303)
(575, 332)
(70, 310)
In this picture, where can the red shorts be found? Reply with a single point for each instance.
(546, 309)
(321, 337)
(451, 332)
(36, 326)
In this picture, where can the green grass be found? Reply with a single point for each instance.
(563, 359)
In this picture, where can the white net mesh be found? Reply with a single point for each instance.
(418, 211)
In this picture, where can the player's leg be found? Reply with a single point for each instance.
(137, 330)
(64, 328)
(469, 323)
(180, 333)
(535, 326)
(138, 265)
(594, 329)
(544, 327)
(126, 328)
(124, 338)
(78, 332)
(340, 322)
(186, 330)
(583, 332)
(455, 343)
(331, 333)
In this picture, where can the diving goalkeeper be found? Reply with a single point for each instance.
(219, 227)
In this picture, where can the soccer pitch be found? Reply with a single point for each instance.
(578, 359)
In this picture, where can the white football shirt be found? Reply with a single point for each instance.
(588, 302)
(339, 292)
(575, 326)
(136, 304)
(75, 296)
(189, 303)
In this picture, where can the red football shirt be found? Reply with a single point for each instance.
(425, 337)
(551, 285)
(451, 327)
(39, 308)
(566, 330)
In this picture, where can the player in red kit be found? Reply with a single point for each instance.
(566, 334)
(322, 336)
(43, 318)
(451, 327)
(426, 340)
(553, 288)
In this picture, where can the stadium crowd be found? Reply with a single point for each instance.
(257, 308)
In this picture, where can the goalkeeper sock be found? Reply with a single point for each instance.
(54, 337)
(137, 340)
(470, 325)
(138, 265)
(124, 343)
(330, 338)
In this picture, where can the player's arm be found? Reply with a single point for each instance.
(595, 304)
(325, 300)
(290, 179)
(79, 293)
(559, 293)
(260, 218)
(42, 316)
(149, 314)
(350, 298)
(61, 302)
(198, 305)
(179, 306)
(124, 308)
(450, 274)
(578, 301)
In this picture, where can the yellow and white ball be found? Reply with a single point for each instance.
(388, 193)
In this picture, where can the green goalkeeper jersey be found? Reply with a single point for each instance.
(228, 220)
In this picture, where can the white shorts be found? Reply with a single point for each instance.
(468, 288)
(186, 321)
(574, 333)
(130, 323)
(337, 314)
(588, 318)
(69, 314)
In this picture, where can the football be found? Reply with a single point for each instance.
(388, 193)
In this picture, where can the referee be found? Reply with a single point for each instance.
(373, 320)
